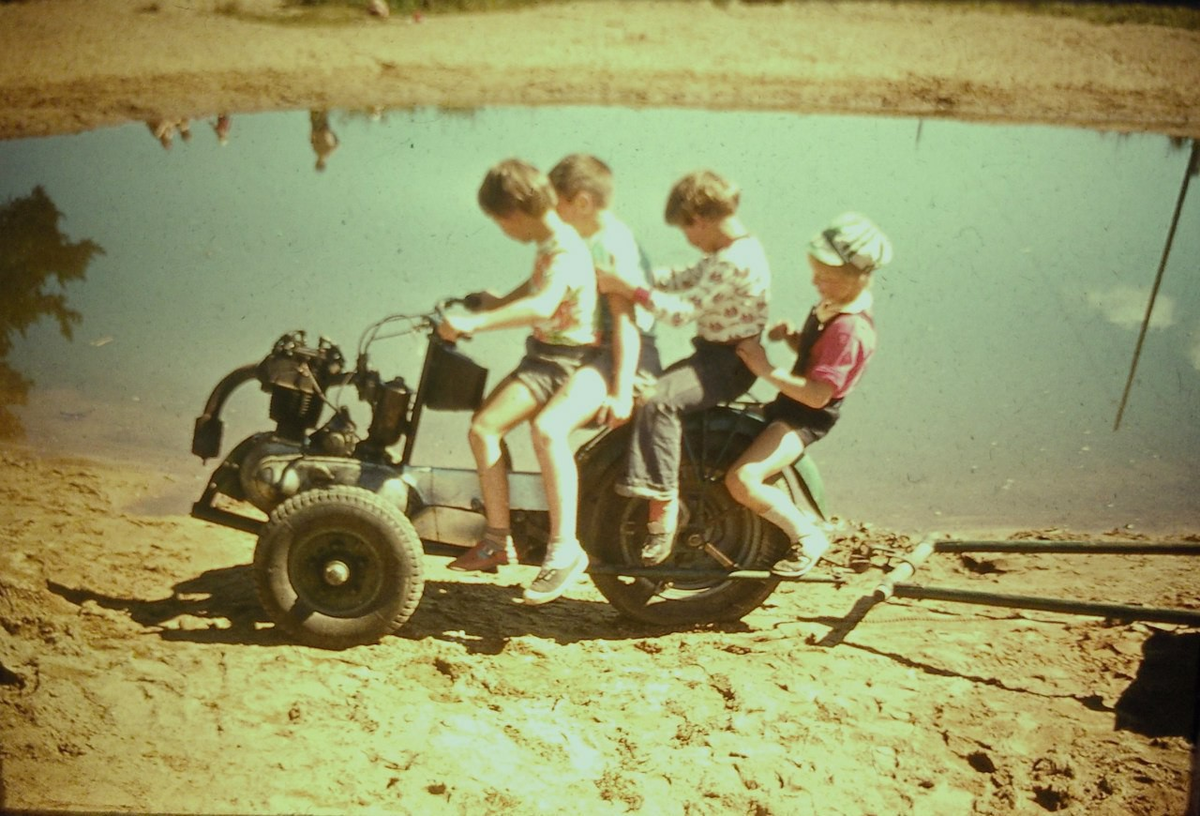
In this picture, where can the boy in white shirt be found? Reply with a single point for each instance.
(604, 388)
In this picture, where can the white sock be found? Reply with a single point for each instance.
(669, 519)
(561, 552)
(800, 528)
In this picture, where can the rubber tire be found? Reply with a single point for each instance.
(613, 527)
(338, 522)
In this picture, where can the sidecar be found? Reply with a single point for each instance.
(343, 521)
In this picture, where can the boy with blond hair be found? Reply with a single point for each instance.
(558, 301)
(604, 388)
(725, 294)
(832, 350)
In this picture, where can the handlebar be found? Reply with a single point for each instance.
(427, 321)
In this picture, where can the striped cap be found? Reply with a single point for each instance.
(851, 239)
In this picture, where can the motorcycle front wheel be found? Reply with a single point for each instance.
(338, 567)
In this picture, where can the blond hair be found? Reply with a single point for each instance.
(582, 173)
(704, 194)
(514, 185)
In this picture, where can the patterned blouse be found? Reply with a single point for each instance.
(725, 293)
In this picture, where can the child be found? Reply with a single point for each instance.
(559, 302)
(604, 388)
(725, 293)
(833, 349)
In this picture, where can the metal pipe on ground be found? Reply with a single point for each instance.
(1072, 547)
(1123, 612)
(677, 574)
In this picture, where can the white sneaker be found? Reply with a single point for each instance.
(556, 576)
(801, 558)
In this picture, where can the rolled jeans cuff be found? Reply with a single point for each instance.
(644, 490)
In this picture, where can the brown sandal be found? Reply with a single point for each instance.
(486, 556)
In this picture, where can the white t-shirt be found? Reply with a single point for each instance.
(565, 258)
(615, 250)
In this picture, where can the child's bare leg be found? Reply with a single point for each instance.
(511, 404)
(664, 512)
(777, 447)
(505, 409)
(575, 403)
(773, 450)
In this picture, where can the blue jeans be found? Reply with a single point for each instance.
(712, 375)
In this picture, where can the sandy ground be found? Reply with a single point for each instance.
(139, 673)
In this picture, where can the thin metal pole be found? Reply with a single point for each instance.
(1192, 167)
(678, 574)
(1123, 612)
(1072, 547)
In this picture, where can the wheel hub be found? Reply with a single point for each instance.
(336, 573)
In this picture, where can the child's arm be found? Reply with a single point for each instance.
(486, 300)
(530, 305)
(713, 279)
(671, 279)
(627, 347)
(813, 393)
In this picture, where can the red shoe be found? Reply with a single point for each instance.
(486, 556)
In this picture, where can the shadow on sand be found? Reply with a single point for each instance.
(221, 606)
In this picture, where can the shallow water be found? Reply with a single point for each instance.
(1024, 262)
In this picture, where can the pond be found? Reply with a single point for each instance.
(1025, 258)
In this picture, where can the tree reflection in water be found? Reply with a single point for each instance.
(32, 251)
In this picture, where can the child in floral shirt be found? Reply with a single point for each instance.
(725, 294)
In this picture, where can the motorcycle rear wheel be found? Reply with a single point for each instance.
(716, 533)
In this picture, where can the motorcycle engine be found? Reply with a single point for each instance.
(297, 376)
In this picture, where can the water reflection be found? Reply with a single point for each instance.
(324, 141)
(32, 252)
(1024, 262)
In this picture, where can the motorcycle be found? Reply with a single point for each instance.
(348, 516)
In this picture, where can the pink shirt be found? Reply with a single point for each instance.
(840, 354)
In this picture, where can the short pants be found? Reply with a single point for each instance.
(546, 367)
(810, 423)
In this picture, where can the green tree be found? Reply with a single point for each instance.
(32, 252)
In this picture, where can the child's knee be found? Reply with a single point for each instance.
(737, 482)
(481, 432)
(541, 432)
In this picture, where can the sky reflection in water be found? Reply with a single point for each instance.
(1024, 260)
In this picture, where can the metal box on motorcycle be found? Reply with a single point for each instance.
(455, 381)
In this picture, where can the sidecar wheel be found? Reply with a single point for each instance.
(719, 532)
(338, 567)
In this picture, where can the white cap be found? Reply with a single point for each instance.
(851, 239)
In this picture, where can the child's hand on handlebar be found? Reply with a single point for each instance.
(481, 301)
(456, 326)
